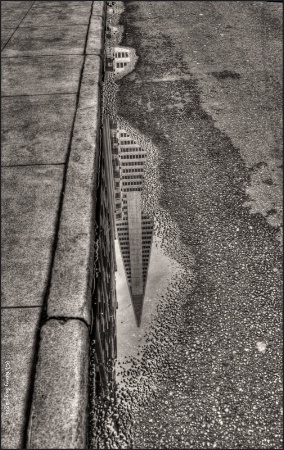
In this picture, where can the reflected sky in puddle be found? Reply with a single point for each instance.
(134, 227)
(161, 271)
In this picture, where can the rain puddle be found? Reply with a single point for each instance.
(144, 270)
(154, 270)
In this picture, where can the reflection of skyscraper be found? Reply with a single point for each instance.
(134, 228)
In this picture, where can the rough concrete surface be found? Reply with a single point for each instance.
(13, 17)
(9, 25)
(46, 75)
(27, 124)
(59, 15)
(6, 33)
(95, 38)
(98, 8)
(43, 4)
(30, 199)
(18, 331)
(71, 276)
(59, 410)
(11, 5)
(47, 40)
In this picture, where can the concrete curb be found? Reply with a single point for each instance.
(59, 409)
(58, 417)
(70, 289)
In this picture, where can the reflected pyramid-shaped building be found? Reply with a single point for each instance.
(134, 227)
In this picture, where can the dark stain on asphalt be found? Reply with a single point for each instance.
(268, 181)
(226, 74)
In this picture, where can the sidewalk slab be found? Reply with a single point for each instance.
(6, 33)
(18, 332)
(46, 75)
(50, 4)
(9, 25)
(61, 15)
(70, 290)
(11, 5)
(36, 129)
(30, 201)
(12, 17)
(59, 409)
(52, 40)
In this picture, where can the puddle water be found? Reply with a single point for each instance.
(144, 269)
(130, 337)
(154, 281)
(154, 270)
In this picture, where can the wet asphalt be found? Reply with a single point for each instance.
(210, 373)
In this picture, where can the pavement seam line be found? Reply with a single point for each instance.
(55, 6)
(37, 95)
(66, 318)
(32, 165)
(17, 28)
(46, 26)
(42, 55)
(20, 307)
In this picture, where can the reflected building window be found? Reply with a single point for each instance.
(121, 59)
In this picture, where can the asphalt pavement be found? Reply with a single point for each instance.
(206, 91)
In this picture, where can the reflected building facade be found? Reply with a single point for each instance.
(104, 296)
(121, 59)
(134, 227)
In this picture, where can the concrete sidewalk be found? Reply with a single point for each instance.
(51, 72)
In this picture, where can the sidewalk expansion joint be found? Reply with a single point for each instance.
(57, 55)
(21, 307)
(32, 165)
(50, 6)
(35, 55)
(34, 95)
(48, 26)
(64, 319)
(17, 27)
